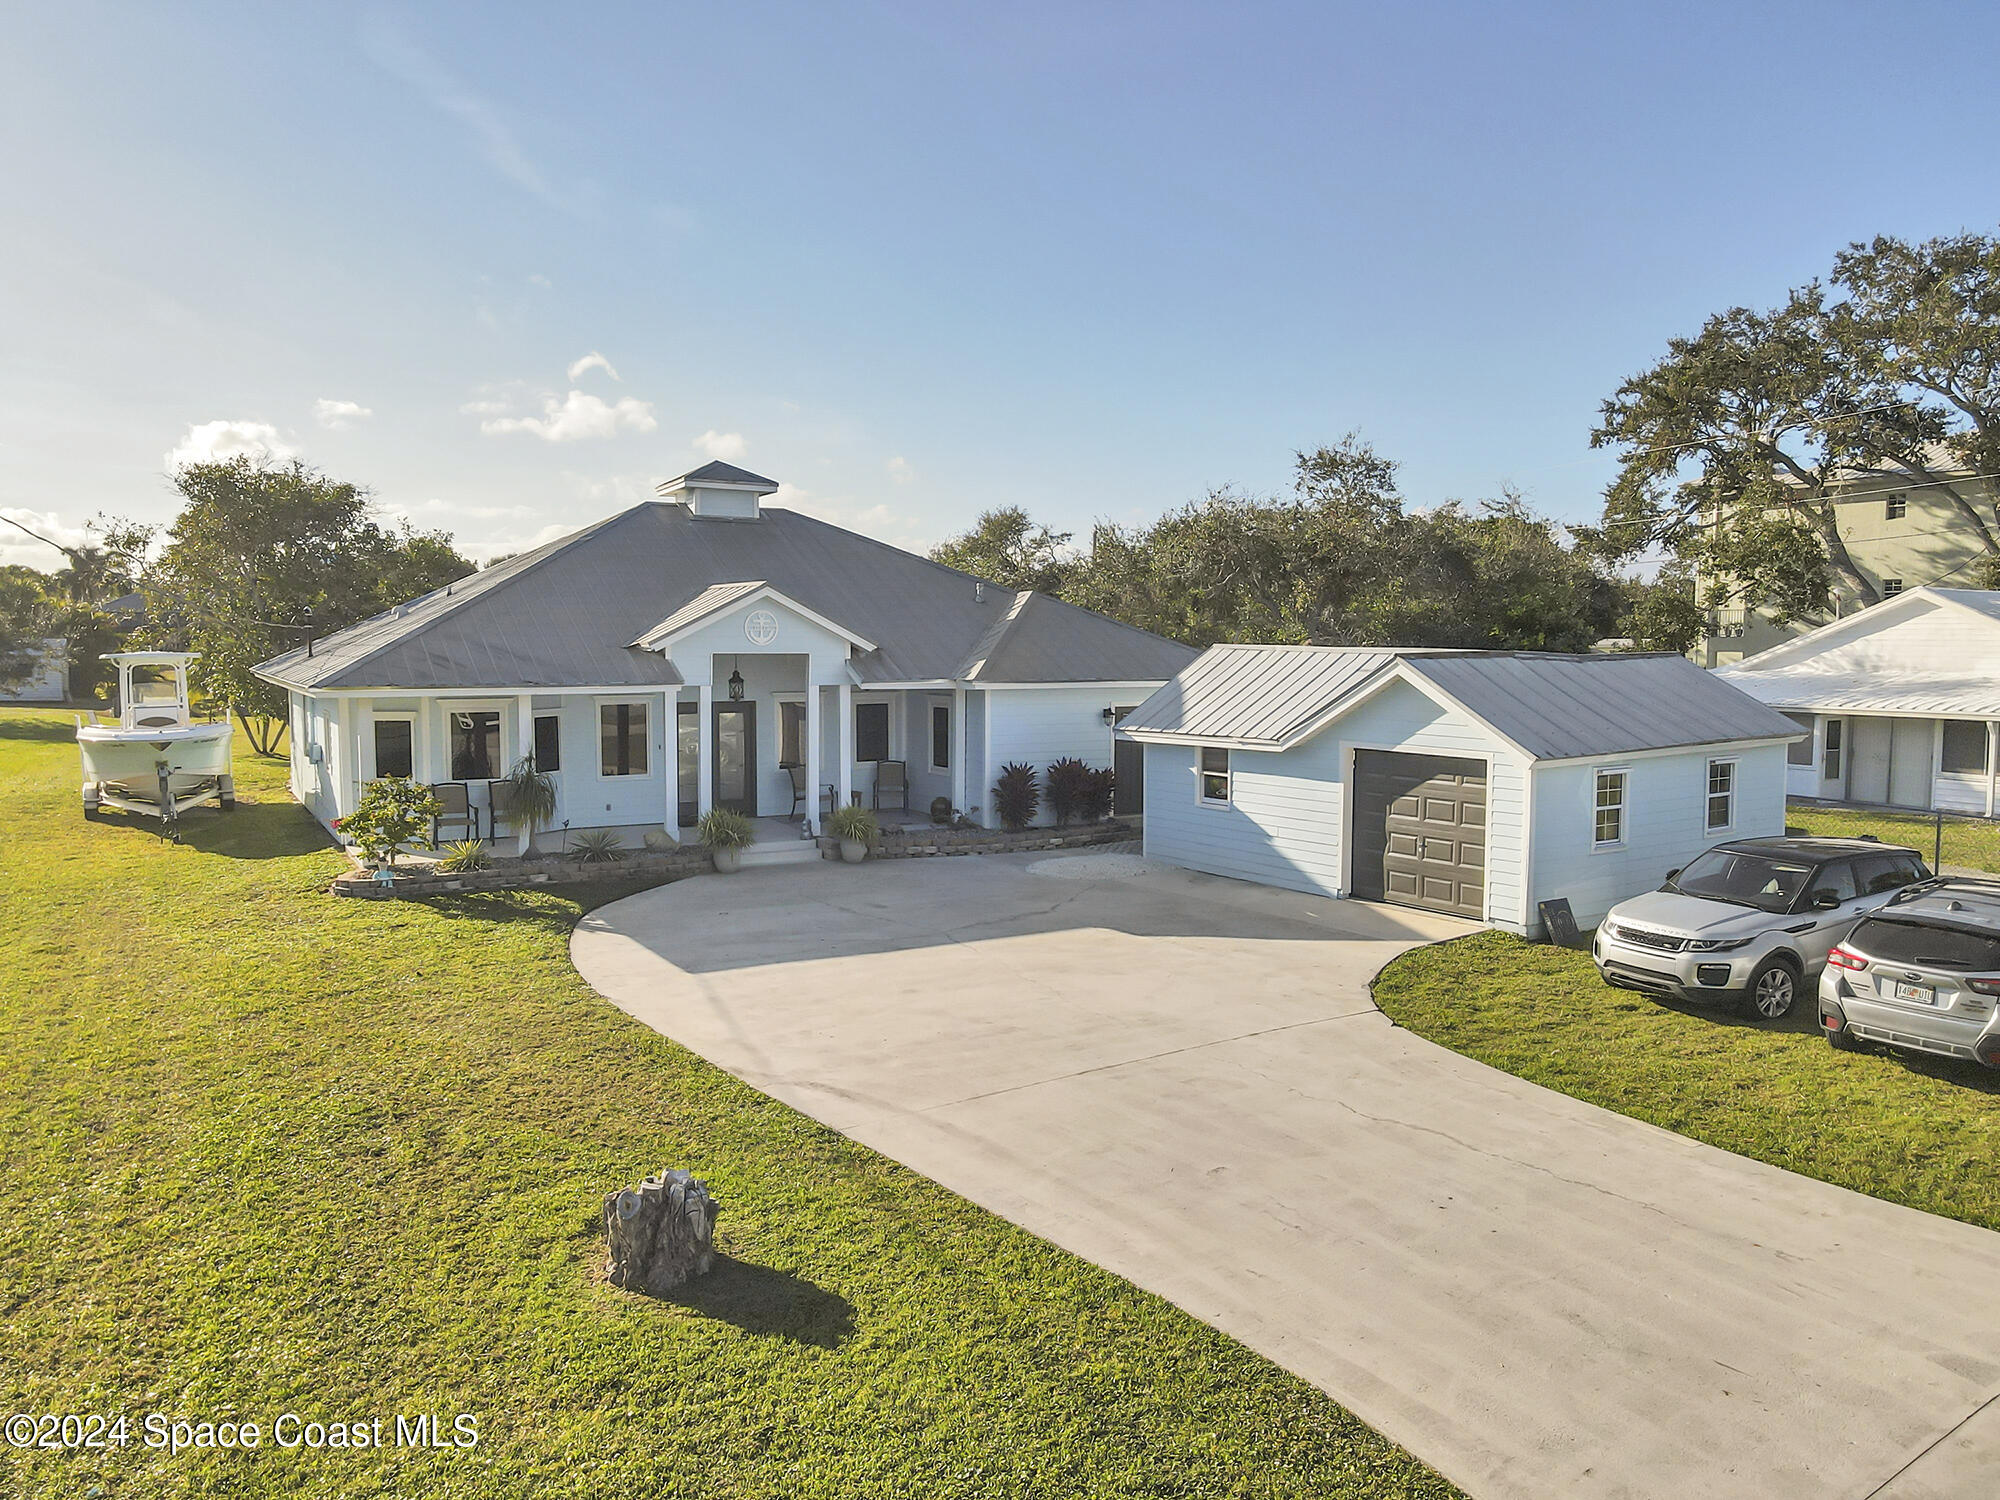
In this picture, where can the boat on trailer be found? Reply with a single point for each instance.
(156, 760)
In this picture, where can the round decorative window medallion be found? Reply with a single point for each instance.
(761, 626)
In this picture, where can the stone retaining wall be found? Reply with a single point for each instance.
(915, 842)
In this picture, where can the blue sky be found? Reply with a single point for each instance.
(917, 261)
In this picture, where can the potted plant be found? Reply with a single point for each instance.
(725, 833)
(531, 792)
(857, 831)
(393, 811)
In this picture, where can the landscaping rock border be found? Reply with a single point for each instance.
(916, 842)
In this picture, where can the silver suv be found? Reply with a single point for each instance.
(1750, 922)
(1922, 974)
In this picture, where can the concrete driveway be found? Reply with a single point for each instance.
(1183, 1079)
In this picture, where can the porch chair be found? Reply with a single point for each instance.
(798, 775)
(500, 808)
(456, 811)
(892, 778)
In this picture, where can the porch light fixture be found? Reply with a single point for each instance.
(1111, 716)
(735, 687)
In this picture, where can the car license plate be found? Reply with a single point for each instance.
(1910, 994)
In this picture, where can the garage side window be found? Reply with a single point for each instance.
(1721, 794)
(1609, 827)
(1964, 748)
(1214, 775)
(1800, 752)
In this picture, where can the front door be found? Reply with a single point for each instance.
(736, 757)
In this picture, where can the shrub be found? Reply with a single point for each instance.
(854, 823)
(1068, 781)
(598, 847)
(1098, 792)
(464, 856)
(393, 811)
(533, 792)
(725, 828)
(940, 810)
(1016, 797)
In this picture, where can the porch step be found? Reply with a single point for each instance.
(781, 852)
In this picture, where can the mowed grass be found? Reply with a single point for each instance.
(1966, 843)
(266, 1151)
(1919, 1131)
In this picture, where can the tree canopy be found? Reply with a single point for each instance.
(1736, 441)
(262, 555)
(28, 614)
(1340, 561)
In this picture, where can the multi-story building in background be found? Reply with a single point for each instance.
(1899, 534)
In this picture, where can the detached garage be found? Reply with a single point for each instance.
(1475, 783)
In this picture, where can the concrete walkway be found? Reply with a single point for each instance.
(1183, 1079)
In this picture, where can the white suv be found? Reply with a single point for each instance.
(1750, 921)
(1922, 974)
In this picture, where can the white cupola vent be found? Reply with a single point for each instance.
(719, 492)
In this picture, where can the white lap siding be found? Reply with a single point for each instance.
(1286, 818)
(1040, 725)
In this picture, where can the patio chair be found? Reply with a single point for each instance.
(798, 775)
(457, 811)
(500, 808)
(892, 779)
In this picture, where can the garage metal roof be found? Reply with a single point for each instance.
(1554, 707)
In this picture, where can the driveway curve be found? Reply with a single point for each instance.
(1184, 1079)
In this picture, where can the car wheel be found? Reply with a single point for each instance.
(1840, 1041)
(1773, 991)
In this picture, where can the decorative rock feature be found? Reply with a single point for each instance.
(661, 1232)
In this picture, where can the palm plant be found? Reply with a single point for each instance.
(532, 791)
(600, 846)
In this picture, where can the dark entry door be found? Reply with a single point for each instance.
(1419, 831)
(736, 757)
(1128, 772)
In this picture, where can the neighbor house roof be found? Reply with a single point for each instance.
(567, 614)
(1553, 707)
(1927, 651)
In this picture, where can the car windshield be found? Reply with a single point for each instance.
(1756, 880)
(1898, 940)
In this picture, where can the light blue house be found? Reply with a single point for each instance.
(1478, 783)
(707, 649)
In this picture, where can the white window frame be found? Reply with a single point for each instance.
(1891, 587)
(1202, 773)
(597, 737)
(1624, 804)
(535, 717)
(778, 702)
(408, 717)
(897, 750)
(1709, 794)
(937, 706)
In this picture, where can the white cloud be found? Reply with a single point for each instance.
(576, 417)
(900, 470)
(213, 442)
(338, 416)
(724, 445)
(25, 550)
(591, 361)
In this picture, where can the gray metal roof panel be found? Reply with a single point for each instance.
(1552, 706)
(707, 602)
(722, 473)
(1048, 640)
(563, 615)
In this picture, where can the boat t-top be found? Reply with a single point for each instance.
(156, 760)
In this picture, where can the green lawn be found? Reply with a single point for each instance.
(267, 1151)
(1967, 843)
(1925, 1132)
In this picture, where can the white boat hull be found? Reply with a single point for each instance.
(124, 767)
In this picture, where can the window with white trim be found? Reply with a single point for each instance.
(1609, 825)
(395, 747)
(1895, 507)
(1830, 762)
(548, 742)
(622, 739)
(1214, 774)
(1891, 587)
(940, 736)
(1721, 794)
(792, 733)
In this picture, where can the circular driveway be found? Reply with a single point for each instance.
(1183, 1079)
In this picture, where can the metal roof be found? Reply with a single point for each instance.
(707, 602)
(1553, 707)
(564, 614)
(721, 473)
(1938, 695)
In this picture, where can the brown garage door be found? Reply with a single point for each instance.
(1419, 831)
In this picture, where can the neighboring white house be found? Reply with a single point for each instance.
(690, 651)
(49, 682)
(1477, 783)
(1902, 700)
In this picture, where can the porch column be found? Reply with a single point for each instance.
(704, 788)
(364, 752)
(957, 749)
(425, 768)
(670, 703)
(1992, 761)
(524, 746)
(815, 752)
(843, 703)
